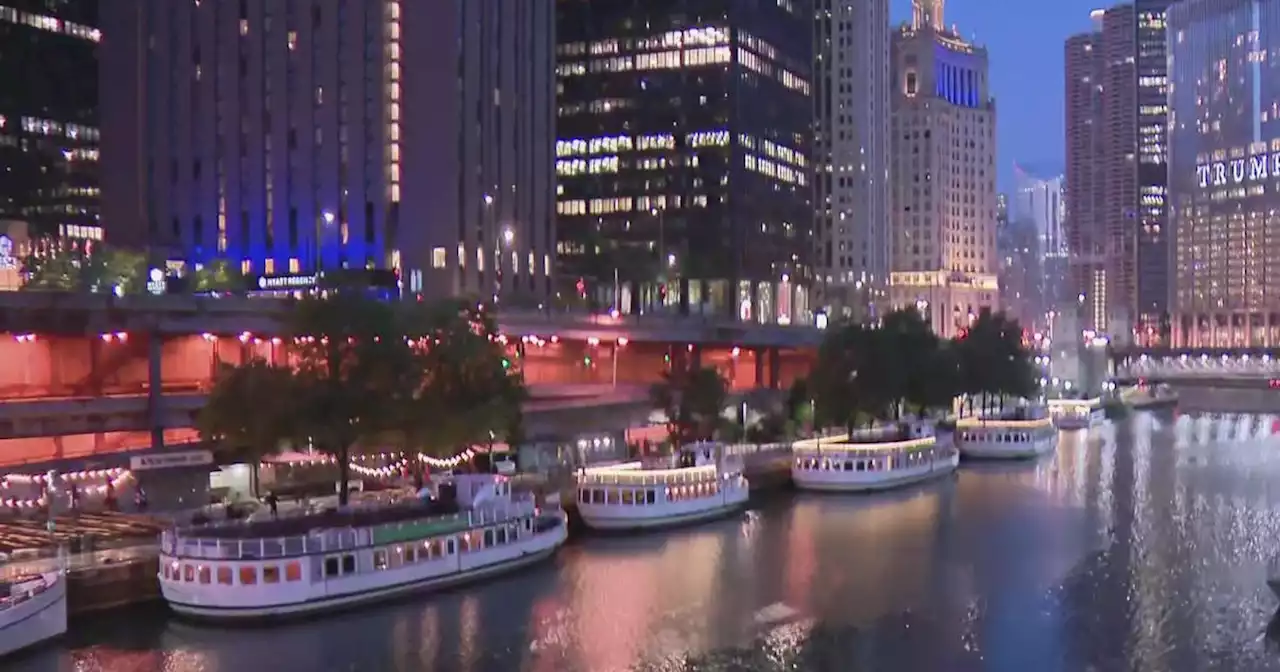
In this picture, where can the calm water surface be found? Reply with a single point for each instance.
(1136, 547)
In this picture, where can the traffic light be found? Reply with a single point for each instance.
(506, 363)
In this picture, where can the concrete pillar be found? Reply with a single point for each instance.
(774, 366)
(155, 388)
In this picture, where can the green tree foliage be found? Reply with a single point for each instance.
(87, 268)
(218, 275)
(470, 390)
(993, 360)
(364, 373)
(693, 399)
(251, 412)
(864, 373)
(351, 360)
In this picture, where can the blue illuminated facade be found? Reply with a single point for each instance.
(956, 79)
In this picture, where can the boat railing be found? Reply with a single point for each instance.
(11, 601)
(897, 456)
(333, 539)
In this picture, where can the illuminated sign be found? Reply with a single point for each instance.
(7, 260)
(274, 282)
(1234, 172)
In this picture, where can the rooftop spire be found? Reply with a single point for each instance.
(927, 13)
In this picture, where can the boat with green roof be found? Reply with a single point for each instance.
(475, 528)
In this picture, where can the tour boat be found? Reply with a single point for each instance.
(872, 459)
(333, 560)
(639, 495)
(1025, 432)
(33, 610)
(1076, 413)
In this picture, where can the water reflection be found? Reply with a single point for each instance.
(1139, 545)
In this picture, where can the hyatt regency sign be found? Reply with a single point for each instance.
(1233, 172)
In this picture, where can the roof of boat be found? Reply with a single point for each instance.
(330, 519)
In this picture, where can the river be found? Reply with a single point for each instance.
(1139, 546)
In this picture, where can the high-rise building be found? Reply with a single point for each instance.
(684, 156)
(1224, 172)
(1101, 175)
(1019, 266)
(48, 122)
(1153, 246)
(942, 162)
(1039, 200)
(318, 134)
(851, 154)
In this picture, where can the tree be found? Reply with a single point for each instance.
(218, 275)
(693, 399)
(352, 360)
(250, 413)
(993, 360)
(89, 267)
(471, 390)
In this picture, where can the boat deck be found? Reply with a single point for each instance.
(31, 533)
(300, 525)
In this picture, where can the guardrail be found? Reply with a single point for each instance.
(174, 543)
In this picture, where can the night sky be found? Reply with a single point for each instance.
(1024, 40)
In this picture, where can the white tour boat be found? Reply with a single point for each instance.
(33, 609)
(638, 495)
(872, 459)
(1025, 432)
(334, 560)
(1076, 413)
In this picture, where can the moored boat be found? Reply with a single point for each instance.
(873, 459)
(1076, 413)
(1024, 432)
(33, 609)
(334, 560)
(704, 483)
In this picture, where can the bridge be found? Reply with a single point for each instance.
(68, 314)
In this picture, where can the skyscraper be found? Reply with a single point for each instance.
(1224, 171)
(1101, 176)
(943, 173)
(48, 121)
(1154, 249)
(317, 134)
(683, 156)
(851, 153)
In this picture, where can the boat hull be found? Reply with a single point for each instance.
(551, 541)
(605, 520)
(39, 619)
(985, 449)
(865, 481)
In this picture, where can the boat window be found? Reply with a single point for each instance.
(464, 542)
(448, 547)
(331, 566)
(188, 573)
(500, 535)
(271, 574)
(224, 576)
(584, 495)
(861, 465)
(651, 496)
(610, 496)
(248, 575)
(597, 496)
(848, 465)
(293, 571)
(206, 575)
(410, 553)
(628, 497)
(488, 537)
(348, 564)
(380, 558)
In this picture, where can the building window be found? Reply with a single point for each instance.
(439, 258)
